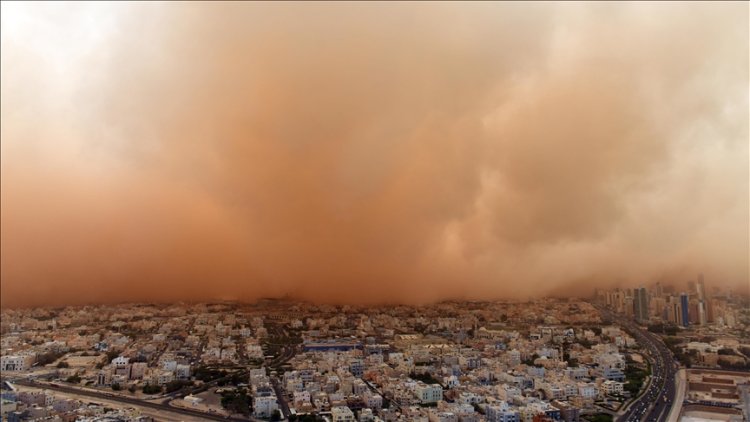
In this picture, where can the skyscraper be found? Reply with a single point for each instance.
(659, 290)
(710, 311)
(684, 306)
(700, 288)
(640, 304)
(702, 317)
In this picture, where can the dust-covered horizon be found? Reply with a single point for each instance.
(370, 152)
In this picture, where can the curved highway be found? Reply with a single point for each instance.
(654, 403)
(128, 400)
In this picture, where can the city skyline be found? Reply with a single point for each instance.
(655, 288)
(370, 153)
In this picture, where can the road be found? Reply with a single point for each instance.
(656, 401)
(125, 400)
(745, 398)
(156, 414)
(674, 412)
(280, 397)
(287, 352)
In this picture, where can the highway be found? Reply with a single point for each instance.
(287, 352)
(127, 400)
(656, 401)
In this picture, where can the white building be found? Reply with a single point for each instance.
(169, 365)
(182, 372)
(366, 415)
(451, 381)
(254, 351)
(465, 412)
(193, 400)
(507, 392)
(120, 362)
(429, 393)
(436, 416)
(16, 362)
(611, 387)
(587, 390)
(342, 413)
(359, 387)
(501, 413)
(301, 398)
(264, 406)
(514, 357)
(467, 397)
(161, 377)
(104, 377)
(374, 401)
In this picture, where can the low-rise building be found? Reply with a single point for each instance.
(342, 414)
(610, 387)
(428, 393)
(501, 413)
(264, 406)
(13, 363)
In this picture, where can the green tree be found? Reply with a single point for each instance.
(236, 401)
(111, 355)
(478, 408)
(600, 417)
(425, 377)
(176, 385)
(49, 357)
(151, 389)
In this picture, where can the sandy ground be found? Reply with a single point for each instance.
(83, 361)
(693, 416)
(209, 403)
(210, 399)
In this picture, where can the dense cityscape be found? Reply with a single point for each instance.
(374, 211)
(640, 354)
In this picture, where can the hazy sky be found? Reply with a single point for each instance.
(368, 152)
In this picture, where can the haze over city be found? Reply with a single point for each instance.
(369, 153)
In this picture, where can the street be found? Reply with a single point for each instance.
(656, 401)
(125, 400)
